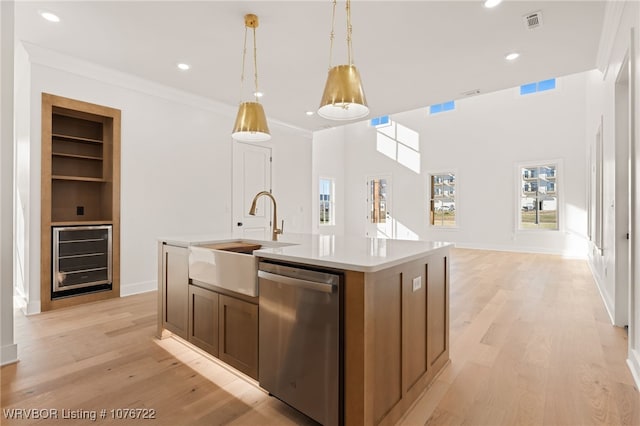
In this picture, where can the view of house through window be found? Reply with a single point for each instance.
(539, 197)
(378, 200)
(443, 200)
(327, 200)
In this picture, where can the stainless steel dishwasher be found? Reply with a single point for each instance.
(299, 359)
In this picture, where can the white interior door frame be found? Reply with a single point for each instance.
(633, 199)
(622, 195)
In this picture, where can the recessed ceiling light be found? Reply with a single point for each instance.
(51, 17)
(184, 66)
(258, 94)
(512, 56)
(491, 3)
(309, 113)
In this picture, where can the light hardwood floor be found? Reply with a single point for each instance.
(531, 343)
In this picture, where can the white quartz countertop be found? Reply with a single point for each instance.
(360, 254)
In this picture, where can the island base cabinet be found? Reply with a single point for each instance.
(225, 327)
(396, 334)
(173, 294)
(203, 319)
(239, 334)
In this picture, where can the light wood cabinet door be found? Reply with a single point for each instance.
(239, 334)
(203, 319)
(437, 310)
(175, 288)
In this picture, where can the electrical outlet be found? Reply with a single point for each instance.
(80, 210)
(417, 283)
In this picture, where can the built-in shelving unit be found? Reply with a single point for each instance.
(80, 183)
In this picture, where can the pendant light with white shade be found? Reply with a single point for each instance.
(343, 97)
(251, 121)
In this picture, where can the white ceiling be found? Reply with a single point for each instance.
(410, 53)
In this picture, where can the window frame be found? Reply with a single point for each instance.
(430, 174)
(559, 179)
(332, 201)
(537, 90)
(446, 106)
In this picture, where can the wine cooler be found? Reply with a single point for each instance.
(82, 259)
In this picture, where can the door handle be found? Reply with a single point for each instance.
(296, 282)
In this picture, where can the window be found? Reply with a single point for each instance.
(540, 86)
(445, 106)
(327, 201)
(539, 196)
(443, 200)
(380, 121)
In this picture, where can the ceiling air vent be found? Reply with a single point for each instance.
(471, 92)
(533, 20)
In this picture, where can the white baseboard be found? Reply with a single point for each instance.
(19, 302)
(137, 288)
(27, 307)
(608, 303)
(633, 362)
(517, 249)
(31, 308)
(9, 354)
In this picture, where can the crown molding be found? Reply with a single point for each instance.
(54, 59)
(612, 16)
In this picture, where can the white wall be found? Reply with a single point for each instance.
(175, 165)
(292, 178)
(23, 146)
(8, 349)
(620, 19)
(328, 162)
(482, 141)
(601, 108)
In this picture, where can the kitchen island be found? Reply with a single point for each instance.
(394, 320)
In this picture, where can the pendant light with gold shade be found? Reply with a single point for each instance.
(251, 122)
(343, 97)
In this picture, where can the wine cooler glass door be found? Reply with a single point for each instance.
(81, 256)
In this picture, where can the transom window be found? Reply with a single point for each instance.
(540, 86)
(445, 106)
(539, 196)
(381, 121)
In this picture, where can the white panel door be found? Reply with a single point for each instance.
(251, 174)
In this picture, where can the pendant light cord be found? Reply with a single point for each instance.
(255, 63)
(332, 34)
(244, 56)
(349, 31)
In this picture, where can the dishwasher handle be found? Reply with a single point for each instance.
(310, 285)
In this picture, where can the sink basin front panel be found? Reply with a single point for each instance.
(232, 271)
